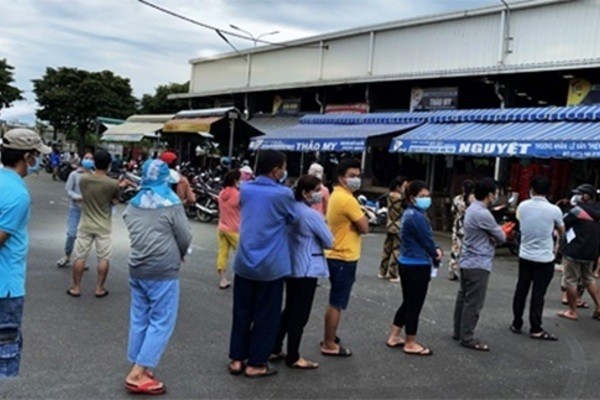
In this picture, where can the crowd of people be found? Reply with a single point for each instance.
(283, 240)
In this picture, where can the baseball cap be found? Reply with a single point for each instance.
(168, 157)
(24, 139)
(585, 188)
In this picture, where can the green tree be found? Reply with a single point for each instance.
(70, 99)
(159, 104)
(8, 93)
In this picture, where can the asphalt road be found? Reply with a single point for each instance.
(75, 348)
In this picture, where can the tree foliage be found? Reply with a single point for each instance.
(8, 93)
(71, 99)
(159, 104)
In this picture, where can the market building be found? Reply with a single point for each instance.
(534, 54)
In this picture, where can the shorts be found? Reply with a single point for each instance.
(577, 272)
(342, 275)
(83, 245)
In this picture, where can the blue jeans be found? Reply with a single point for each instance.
(11, 340)
(73, 218)
(152, 319)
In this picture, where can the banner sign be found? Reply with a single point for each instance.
(432, 99)
(356, 108)
(540, 149)
(286, 106)
(307, 145)
(582, 92)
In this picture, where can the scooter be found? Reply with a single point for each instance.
(506, 217)
(376, 214)
(130, 185)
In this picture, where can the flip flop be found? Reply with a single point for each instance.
(278, 356)
(583, 304)
(476, 345)
(596, 316)
(148, 387)
(337, 340)
(235, 371)
(267, 373)
(309, 365)
(103, 294)
(396, 345)
(544, 336)
(227, 286)
(515, 330)
(423, 352)
(564, 315)
(342, 352)
(73, 294)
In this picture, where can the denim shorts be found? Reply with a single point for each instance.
(342, 275)
(11, 341)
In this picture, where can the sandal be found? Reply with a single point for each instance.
(596, 316)
(543, 335)
(395, 345)
(308, 365)
(341, 352)
(337, 340)
(564, 314)
(476, 345)
(70, 293)
(277, 356)
(515, 330)
(423, 352)
(150, 387)
(235, 371)
(268, 372)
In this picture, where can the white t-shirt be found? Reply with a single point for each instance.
(538, 218)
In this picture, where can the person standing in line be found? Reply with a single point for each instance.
(18, 151)
(581, 249)
(388, 269)
(160, 236)
(459, 206)
(482, 235)
(179, 183)
(418, 255)
(538, 219)
(347, 223)
(99, 193)
(74, 214)
(316, 170)
(308, 238)
(261, 263)
(229, 224)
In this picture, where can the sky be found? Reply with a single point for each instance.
(152, 48)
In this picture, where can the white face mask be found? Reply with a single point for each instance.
(353, 183)
(315, 198)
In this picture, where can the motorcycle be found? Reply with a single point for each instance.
(207, 202)
(130, 185)
(506, 217)
(376, 214)
(64, 170)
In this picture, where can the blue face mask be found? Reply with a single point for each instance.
(87, 164)
(423, 203)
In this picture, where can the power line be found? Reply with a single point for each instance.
(222, 32)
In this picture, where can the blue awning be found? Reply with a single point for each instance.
(540, 114)
(518, 139)
(325, 137)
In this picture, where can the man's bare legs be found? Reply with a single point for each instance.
(78, 269)
(102, 271)
(332, 321)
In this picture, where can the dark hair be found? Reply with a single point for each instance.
(346, 164)
(268, 160)
(414, 188)
(10, 157)
(306, 183)
(231, 178)
(102, 159)
(468, 186)
(397, 181)
(484, 187)
(541, 185)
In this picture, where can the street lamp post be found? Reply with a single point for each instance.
(254, 38)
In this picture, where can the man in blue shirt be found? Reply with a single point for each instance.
(262, 261)
(20, 148)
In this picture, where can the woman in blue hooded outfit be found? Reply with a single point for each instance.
(160, 236)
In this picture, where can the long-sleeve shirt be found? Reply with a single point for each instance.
(308, 237)
(482, 235)
(229, 210)
(418, 246)
(72, 187)
(267, 209)
(159, 241)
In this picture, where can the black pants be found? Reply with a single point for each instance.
(256, 313)
(415, 281)
(540, 275)
(299, 295)
(469, 302)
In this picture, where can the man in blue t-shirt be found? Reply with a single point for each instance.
(19, 150)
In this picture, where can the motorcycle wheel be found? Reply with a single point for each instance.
(201, 215)
(191, 212)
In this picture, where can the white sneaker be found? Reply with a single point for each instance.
(63, 262)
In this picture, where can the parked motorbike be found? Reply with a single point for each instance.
(130, 185)
(376, 214)
(506, 217)
(207, 202)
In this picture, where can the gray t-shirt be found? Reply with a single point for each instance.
(538, 219)
(482, 235)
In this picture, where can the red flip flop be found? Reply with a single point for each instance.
(151, 387)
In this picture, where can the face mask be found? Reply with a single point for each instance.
(576, 199)
(87, 164)
(353, 184)
(423, 203)
(315, 198)
(283, 177)
(35, 168)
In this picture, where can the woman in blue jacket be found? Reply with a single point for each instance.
(418, 255)
(308, 237)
